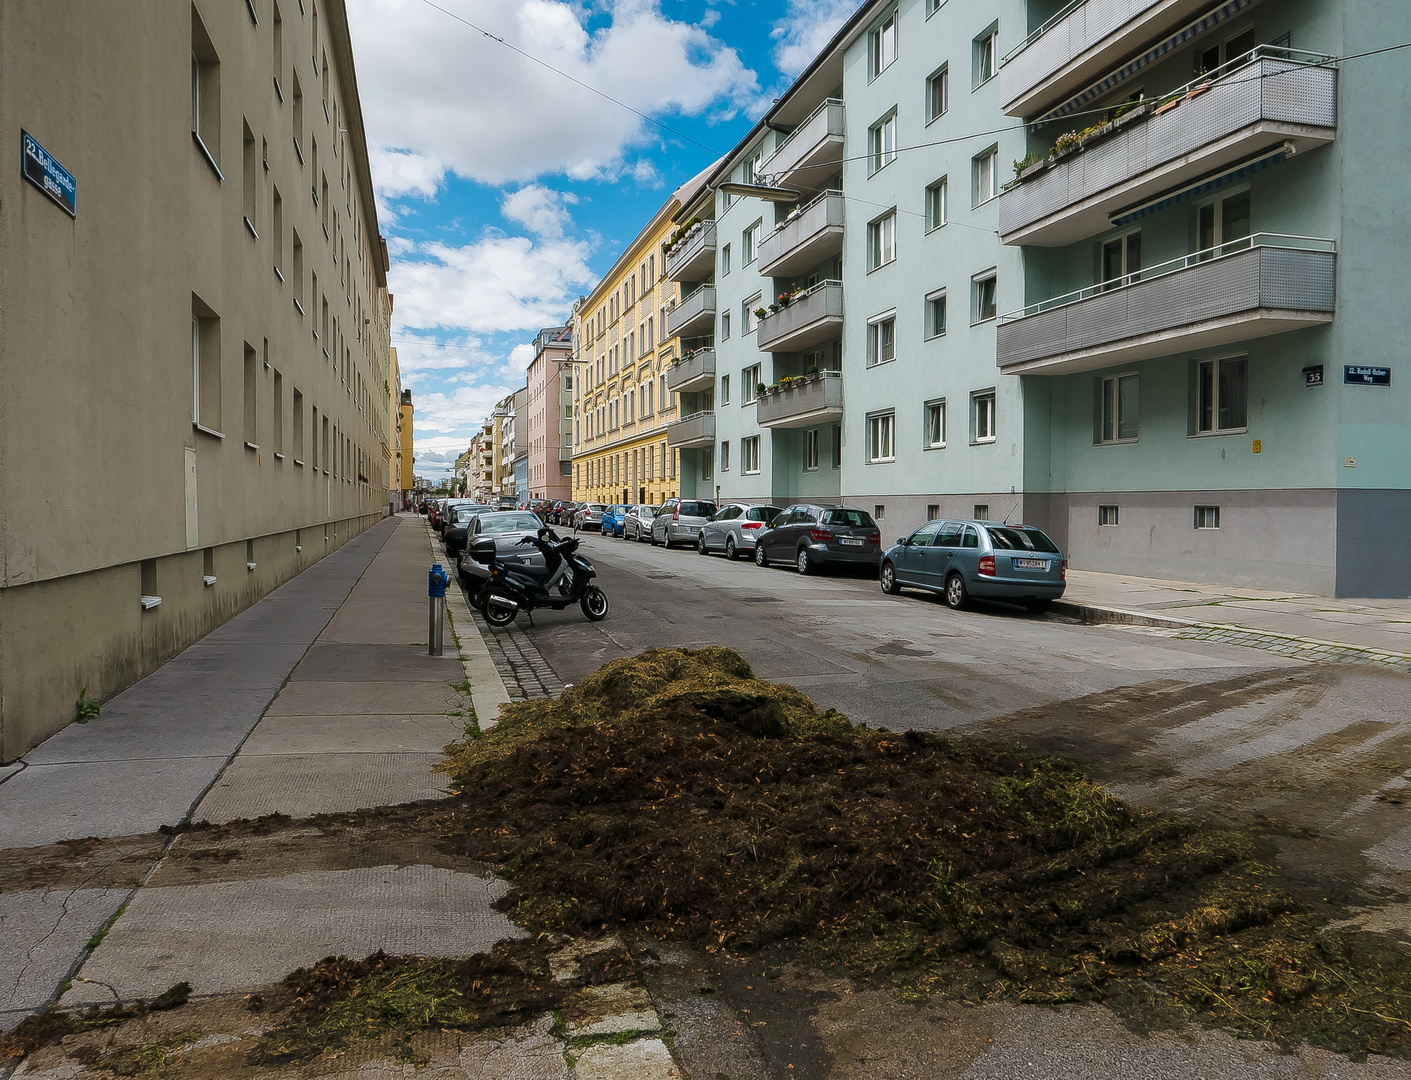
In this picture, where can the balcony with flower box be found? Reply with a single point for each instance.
(802, 402)
(809, 317)
(693, 373)
(693, 256)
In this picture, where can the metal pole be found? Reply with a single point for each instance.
(436, 582)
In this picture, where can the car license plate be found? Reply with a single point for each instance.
(852, 543)
(1031, 564)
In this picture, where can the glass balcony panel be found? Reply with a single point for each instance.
(812, 234)
(697, 429)
(813, 316)
(694, 315)
(814, 399)
(693, 256)
(692, 373)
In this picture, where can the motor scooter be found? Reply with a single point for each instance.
(565, 578)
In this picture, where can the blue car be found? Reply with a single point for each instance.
(986, 559)
(613, 519)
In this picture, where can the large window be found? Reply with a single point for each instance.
(938, 93)
(984, 288)
(1117, 408)
(205, 93)
(881, 437)
(937, 203)
(882, 142)
(749, 384)
(1223, 225)
(748, 318)
(935, 425)
(749, 455)
(881, 338)
(1221, 395)
(985, 168)
(936, 313)
(882, 45)
(882, 240)
(982, 416)
(985, 50)
(749, 242)
(1121, 260)
(205, 367)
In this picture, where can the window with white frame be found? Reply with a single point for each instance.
(1222, 395)
(982, 416)
(935, 419)
(749, 242)
(725, 325)
(985, 168)
(933, 6)
(749, 384)
(748, 316)
(984, 290)
(882, 142)
(881, 437)
(1117, 408)
(882, 338)
(1107, 516)
(725, 389)
(937, 203)
(810, 450)
(986, 50)
(749, 170)
(725, 261)
(882, 45)
(1207, 517)
(936, 313)
(837, 445)
(708, 463)
(882, 240)
(938, 93)
(749, 455)
(725, 457)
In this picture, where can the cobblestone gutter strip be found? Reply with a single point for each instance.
(1299, 648)
(488, 686)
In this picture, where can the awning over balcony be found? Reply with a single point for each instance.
(1198, 190)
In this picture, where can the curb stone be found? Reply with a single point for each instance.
(487, 687)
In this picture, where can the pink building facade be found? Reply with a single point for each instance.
(550, 415)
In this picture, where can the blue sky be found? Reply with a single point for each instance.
(505, 189)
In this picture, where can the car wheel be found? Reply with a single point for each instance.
(730, 552)
(802, 562)
(957, 595)
(888, 577)
(1037, 607)
(700, 545)
(760, 558)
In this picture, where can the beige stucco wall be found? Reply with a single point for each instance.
(95, 334)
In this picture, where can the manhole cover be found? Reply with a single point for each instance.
(759, 599)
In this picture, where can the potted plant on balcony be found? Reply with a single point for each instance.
(1029, 165)
(785, 382)
(812, 369)
(761, 313)
(1065, 144)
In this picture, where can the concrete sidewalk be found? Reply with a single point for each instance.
(1376, 632)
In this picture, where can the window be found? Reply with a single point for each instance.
(249, 177)
(1221, 395)
(938, 93)
(882, 241)
(725, 326)
(937, 203)
(881, 438)
(982, 513)
(933, 511)
(298, 427)
(984, 288)
(1117, 409)
(986, 170)
(749, 242)
(1223, 226)
(277, 428)
(1107, 516)
(725, 457)
(837, 446)
(882, 44)
(749, 455)
(882, 338)
(708, 463)
(725, 389)
(252, 399)
(936, 313)
(205, 93)
(749, 384)
(1207, 517)
(747, 313)
(278, 51)
(982, 416)
(749, 170)
(882, 142)
(985, 52)
(1121, 261)
(935, 425)
(298, 115)
(810, 450)
(725, 261)
(298, 248)
(205, 366)
(277, 228)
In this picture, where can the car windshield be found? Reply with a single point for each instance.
(619, 510)
(696, 509)
(859, 519)
(1015, 539)
(492, 524)
(462, 516)
(647, 511)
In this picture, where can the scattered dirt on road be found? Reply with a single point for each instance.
(676, 796)
(117, 862)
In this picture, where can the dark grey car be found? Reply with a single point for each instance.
(734, 529)
(810, 536)
(506, 528)
(986, 559)
(457, 524)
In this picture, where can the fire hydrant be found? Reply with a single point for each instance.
(436, 582)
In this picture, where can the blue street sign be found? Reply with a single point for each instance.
(48, 175)
(1366, 376)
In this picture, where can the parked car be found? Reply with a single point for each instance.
(637, 522)
(590, 516)
(679, 521)
(506, 528)
(961, 559)
(811, 536)
(458, 521)
(448, 512)
(734, 529)
(613, 519)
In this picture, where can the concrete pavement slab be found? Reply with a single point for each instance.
(239, 667)
(377, 698)
(306, 784)
(41, 932)
(645, 1059)
(377, 663)
(363, 622)
(234, 934)
(352, 734)
(529, 1052)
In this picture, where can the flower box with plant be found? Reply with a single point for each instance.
(761, 313)
(812, 369)
(1031, 163)
(786, 381)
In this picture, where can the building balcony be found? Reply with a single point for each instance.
(1083, 42)
(694, 315)
(1259, 111)
(815, 315)
(1256, 287)
(693, 373)
(693, 256)
(812, 152)
(810, 235)
(697, 429)
(807, 402)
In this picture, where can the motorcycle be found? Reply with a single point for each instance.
(565, 578)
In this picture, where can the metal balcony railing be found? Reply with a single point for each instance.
(1268, 99)
(692, 373)
(814, 399)
(693, 256)
(694, 315)
(1249, 288)
(697, 429)
(809, 235)
(815, 144)
(814, 315)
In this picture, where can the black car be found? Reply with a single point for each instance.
(457, 525)
(810, 536)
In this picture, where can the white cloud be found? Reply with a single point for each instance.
(521, 356)
(461, 411)
(402, 172)
(539, 209)
(805, 29)
(442, 94)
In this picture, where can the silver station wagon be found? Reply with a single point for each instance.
(985, 559)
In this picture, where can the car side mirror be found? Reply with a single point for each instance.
(904, 541)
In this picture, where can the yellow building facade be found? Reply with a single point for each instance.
(621, 403)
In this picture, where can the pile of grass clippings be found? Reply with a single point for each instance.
(675, 795)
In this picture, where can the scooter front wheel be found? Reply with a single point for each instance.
(498, 615)
(594, 604)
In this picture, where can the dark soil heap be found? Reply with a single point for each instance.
(676, 795)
